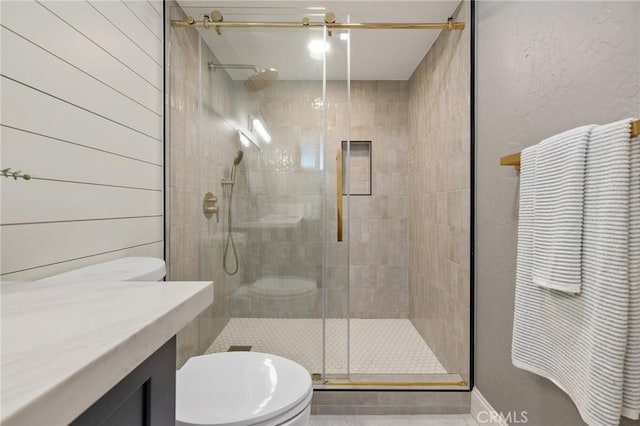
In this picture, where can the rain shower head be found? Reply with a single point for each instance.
(260, 79)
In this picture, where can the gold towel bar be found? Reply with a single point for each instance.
(514, 159)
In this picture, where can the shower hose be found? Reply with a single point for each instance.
(229, 240)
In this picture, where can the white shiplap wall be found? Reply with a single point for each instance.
(81, 85)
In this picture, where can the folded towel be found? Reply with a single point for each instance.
(558, 210)
(580, 341)
(631, 396)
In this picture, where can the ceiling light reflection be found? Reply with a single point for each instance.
(258, 126)
(317, 48)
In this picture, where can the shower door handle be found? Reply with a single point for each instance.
(339, 192)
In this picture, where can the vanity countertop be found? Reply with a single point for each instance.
(65, 345)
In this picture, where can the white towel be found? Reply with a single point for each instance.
(580, 341)
(631, 397)
(558, 210)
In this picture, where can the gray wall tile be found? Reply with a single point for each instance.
(439, 149)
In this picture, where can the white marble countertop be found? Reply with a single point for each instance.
(65, 345)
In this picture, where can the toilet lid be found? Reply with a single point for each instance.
(238, 388)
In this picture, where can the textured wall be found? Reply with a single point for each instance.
(563, 64)
(82, 113)
(201, 148)
(439, 183)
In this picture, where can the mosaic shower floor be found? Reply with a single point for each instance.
(378, 346)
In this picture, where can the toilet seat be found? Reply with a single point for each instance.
(241, 389)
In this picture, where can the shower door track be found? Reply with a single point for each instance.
(366, 381)
(216, 20)
(461, 383)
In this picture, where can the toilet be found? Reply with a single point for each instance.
(283, 296)
(241, 389)
(222, 389)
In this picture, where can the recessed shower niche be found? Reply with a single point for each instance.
(386, 303)
(356, 167)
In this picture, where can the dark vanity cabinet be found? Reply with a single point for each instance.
(146, 397)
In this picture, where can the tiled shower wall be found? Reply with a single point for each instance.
(378, 224)
(280, 184)
(439, 182)
(201, 148)
(378, 234)
(428, 112)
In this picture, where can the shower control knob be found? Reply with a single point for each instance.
(209, 207)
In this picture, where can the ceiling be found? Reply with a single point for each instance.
(375, 54)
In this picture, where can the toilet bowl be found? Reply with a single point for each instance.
(230, 388)
(283, 296)
(246, 388)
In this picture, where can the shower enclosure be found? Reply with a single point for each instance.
(290, 189)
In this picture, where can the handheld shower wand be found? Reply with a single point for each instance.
(229, 240)
(236, 160)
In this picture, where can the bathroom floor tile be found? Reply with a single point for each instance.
(377, 346)
(416, 420)
(322, 420)
(394, 420)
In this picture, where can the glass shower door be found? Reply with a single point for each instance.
(315, 238)
(262, 135)
(337, 231)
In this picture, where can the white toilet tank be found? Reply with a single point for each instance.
(124, 269)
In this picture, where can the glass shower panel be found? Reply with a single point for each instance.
(262, 131)
(331, 214)
(337, 296)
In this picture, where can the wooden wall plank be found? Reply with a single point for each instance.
(76, 163)
(29, 246)
(152, 250)
(157, 5)
(82, 111)
(127, 70)
(50, 201)
(34, 111)
(147, 14)
(128, 23)
(36, 68)
(92, 24)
